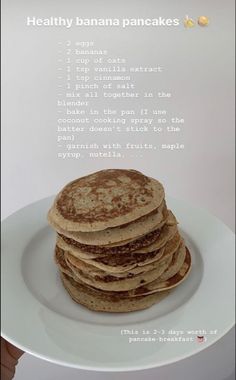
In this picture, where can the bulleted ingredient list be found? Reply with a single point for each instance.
(111, 106)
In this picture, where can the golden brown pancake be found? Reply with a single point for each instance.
(114, 283)
(105, 199)
(128, 247)
(166, 233)
(120, 264)
(116, 235)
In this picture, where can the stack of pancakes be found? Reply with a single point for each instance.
(118, 247)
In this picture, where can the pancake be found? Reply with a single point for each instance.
(114, 265)
(166, 233)
(161, 285)
(76, 251)
(96, 275)
(132, 245)
(93, 271)
(112, 283)
(171, 220)
(105, 199)
(61, 262)
(97, 301)
(129, 231)
(176, 263)
(153, 287)
(121, 264)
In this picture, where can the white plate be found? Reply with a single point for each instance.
(39, 316)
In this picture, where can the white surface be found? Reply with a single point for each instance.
(215, 363)
(54, 324)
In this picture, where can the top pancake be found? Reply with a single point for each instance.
(105, 199)
(147, 223)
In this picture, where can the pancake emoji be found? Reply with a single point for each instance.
(118, 247)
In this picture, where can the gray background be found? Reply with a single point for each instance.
(198, 70)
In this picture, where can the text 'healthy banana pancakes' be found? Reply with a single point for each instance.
(118, 247)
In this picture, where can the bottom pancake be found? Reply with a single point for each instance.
(97, 301)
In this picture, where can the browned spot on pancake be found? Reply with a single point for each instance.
(110, 278)
(129, 247)
(127, 259)
(102, 182)
(141, 290)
